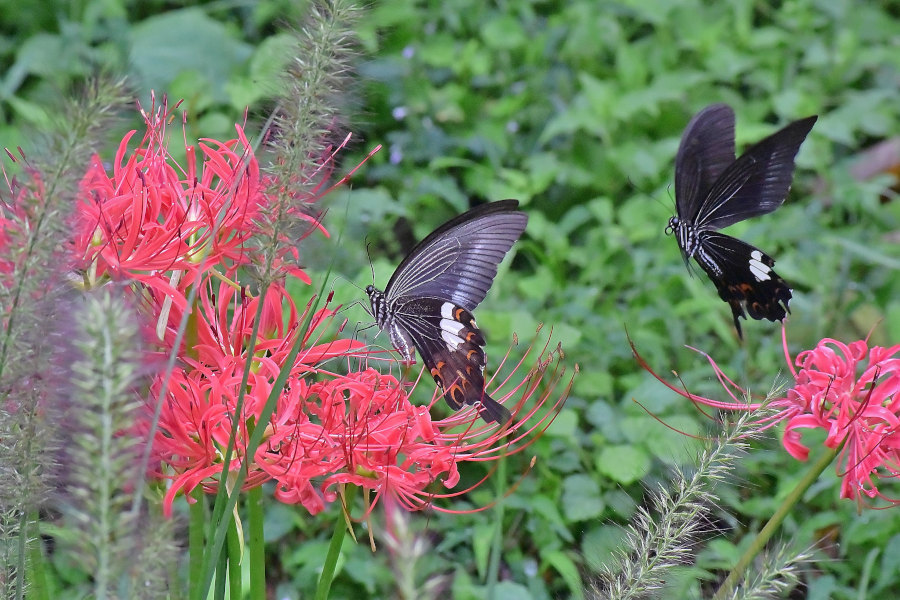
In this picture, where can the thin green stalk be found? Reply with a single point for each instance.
(493, 571)
(737, 573)
(233, 546)
(220, 574)
(37, 577)
(256, 544)
(22, 545)
(196, 540)
(862, 591)
(334, 549)
(225, 501)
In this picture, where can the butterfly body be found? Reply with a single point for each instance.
(714, 190)
(428, 302)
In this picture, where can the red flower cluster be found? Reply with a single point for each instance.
(851, 391)
(178, 235)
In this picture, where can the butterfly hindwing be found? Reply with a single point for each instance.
(452, 348)
(744, 277)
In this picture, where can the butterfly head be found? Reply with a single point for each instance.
(670, 228)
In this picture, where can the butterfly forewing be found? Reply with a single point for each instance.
(706, 149)
(458, 261)
(756, 183)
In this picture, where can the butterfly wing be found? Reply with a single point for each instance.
(757, 182)
(452, 348)
(458, 261)
(744, 278)
(705, 151)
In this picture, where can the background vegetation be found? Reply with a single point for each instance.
(575, 108)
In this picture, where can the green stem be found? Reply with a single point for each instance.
(21, 547)
(493, 572)
(37, 577)
(220, 575)
(774, 523)
(334, 549)
(196, 540)
(233, 548)
(256, 544)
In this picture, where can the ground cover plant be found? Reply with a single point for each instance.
(575, 109)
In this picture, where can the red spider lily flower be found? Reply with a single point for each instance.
(851, 391)
(202, 397)
(362, 429)
(222, 322)
(152, 218)
(357, 428)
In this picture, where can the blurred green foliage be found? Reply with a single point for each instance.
(576, 109)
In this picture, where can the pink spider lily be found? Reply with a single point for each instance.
(358, 428)
(850, 391)
(155, 222)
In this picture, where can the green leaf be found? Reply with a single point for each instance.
(581, 498)
(890, 561)
(593, 383)
(623, 464)
(672, 443)
(565, 424)
(31, 112)
(504, 32)
(482, 538)
(191, 40)
(567, 568)
(510, 590)
(600, 543)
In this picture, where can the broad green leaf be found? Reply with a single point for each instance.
(600, 544)
(510, 590)
(581, 498)
(563, 564)
(190, 40)
(623, 464)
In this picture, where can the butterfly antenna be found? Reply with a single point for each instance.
(369, 258)
(350, 281)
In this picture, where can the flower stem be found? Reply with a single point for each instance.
(220, 574)
(256, 544)
(37, 577)
(774, 523)
(233, 549)
(334, 549)
(196, 527)
(493, 572)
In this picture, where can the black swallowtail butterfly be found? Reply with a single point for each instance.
(429, 300)
(713, 190)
